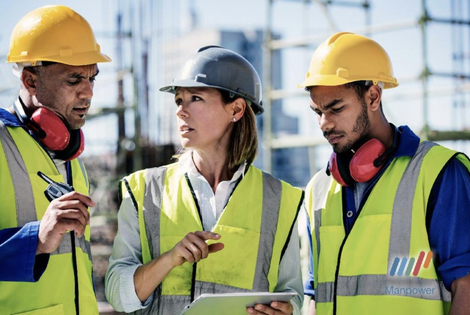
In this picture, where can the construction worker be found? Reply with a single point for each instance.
(389, 216)
(212, 222)
(45, 258)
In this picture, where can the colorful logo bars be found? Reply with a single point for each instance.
(405, 268)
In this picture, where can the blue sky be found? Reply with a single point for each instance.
(403, 105)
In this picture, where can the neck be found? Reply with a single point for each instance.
(382, 131)
(213, 166)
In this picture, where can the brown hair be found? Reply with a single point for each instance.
(243, 144)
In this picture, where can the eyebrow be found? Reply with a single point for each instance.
(77, 75)
(332, 103)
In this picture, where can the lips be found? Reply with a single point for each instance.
(185, 129)
(334, 139)
(81, 111)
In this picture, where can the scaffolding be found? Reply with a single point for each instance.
(459, 21)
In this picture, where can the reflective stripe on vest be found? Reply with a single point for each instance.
(400, 239)
(274, 193)
(54, 292)
(24, 196)
(24, 192)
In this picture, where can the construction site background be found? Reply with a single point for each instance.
(132, 125)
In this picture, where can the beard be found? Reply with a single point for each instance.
(361, 127)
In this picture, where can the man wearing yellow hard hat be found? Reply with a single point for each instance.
(45, 257)
(389, 216)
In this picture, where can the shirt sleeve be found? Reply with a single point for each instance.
(289, 275)
(18, 259)
(125, 259)
(309, 283)
(449, 222)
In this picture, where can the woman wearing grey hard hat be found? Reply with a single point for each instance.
(211, 222)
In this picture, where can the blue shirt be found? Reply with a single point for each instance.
(448, 214)
(18, 260)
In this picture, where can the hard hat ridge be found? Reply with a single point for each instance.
(217, 67)
(54, 33)
(346, 57)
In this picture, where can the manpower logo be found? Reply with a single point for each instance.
(406, 267)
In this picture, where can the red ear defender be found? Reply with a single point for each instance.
(363, 165)
(53, 133)
(80, 148)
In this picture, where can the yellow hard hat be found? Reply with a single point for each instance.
(347, 57)
(54, 33)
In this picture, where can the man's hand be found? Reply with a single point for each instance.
(193, 247)
(460, 292)
(66, 213)
(275, 308)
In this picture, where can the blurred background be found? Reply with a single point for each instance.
(132, 125)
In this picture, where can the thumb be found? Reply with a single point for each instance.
(213, 248)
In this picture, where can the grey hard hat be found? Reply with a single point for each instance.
(220, 68)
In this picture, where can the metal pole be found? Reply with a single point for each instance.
(425, 73)
(267, 66)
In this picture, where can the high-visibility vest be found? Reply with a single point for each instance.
(384, 265)
(255, 227)
(22, 200)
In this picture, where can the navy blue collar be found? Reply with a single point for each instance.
(9, 119)
(407, 144)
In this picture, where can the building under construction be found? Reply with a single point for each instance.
(133, 125)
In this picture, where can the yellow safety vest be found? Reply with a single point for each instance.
(22, 200)
(382, 266)
(255, 227)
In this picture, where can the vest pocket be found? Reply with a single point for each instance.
(51, 310)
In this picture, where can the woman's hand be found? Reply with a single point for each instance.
(275, 308)
(193, 247)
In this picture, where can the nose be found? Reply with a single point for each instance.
(326, 123)
(180, 111)
(86, 90)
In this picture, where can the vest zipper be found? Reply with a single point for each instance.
(68, 168)
(75, 272)
(361, 205)
(193, 276)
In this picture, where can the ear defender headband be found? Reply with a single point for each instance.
(52, 132)
(366, 162)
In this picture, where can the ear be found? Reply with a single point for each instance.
(238, 107)
(29, 80)
(374, 97)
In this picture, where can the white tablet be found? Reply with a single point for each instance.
(233, 303)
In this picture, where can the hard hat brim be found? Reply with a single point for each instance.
(81, 59)
(185, 83)
(258, 109)
(333, 80)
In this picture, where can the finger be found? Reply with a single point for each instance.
(201, 245)
(258, 309)
(213, 248)
(76, 195)
(186, 255)
(284, 307)
(75, 204)
(207, 235)
(71, 225)
(265, 309)
(195, 251)
(72, 214)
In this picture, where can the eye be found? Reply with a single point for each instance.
(92, 79)
(337, 110)
(178, 102)
(316, 111)
(73, 82)
(195, 98)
